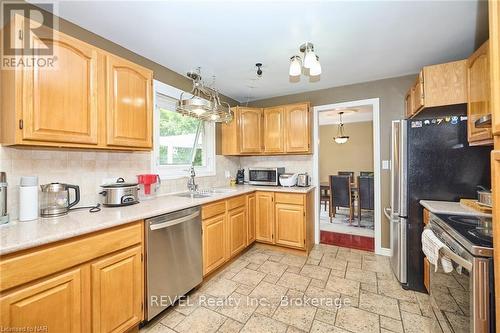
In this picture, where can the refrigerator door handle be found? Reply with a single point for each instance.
(388, 213)
(403, 171)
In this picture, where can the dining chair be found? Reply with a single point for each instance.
(346, 173)
(341, 195)
(366, 173)
(365, 194)
(324, 197)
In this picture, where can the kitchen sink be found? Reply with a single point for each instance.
(223, 190)
(192, 195)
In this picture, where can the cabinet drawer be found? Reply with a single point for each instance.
(289, 198)
(213, 209)
(236, 202)
(53, 258)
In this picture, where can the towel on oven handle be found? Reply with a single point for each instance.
(431, 246)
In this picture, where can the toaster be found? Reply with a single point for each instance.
(303, 180)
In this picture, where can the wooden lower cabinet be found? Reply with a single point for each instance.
(237, 221)
(427, 273)
(251, 210)
(290, 225)
(214, 243)
(264, 223)
(57, 303)
(93, 283)
(117, 291)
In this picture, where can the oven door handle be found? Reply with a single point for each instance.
(456, 258)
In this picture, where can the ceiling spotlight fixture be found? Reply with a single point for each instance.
(204, 102)
(341, 138)
(259, 70)
(311, 61)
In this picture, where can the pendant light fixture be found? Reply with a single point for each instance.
(311, 61)
(341, 138)
(204, 102)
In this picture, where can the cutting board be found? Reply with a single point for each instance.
(471, 203)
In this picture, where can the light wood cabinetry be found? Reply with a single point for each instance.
(250, 120)
(251, 217)
(478, 89)
(438, 85)
(264, 223)
(117, 291)
(290, 226)
(237, 221)
(427, 273)
(87, 99)
(93, 283)
(214, 239)
(494, 21)
(274, 126)
(129, 116)
(276, 130)
(297, 128)
(57, 303)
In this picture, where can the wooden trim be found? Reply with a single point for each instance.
(494, 21)
(45, 260)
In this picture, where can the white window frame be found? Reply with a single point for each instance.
(179, 171)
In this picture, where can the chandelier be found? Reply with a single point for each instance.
(311, 61)
(204, 102)
(341, 138)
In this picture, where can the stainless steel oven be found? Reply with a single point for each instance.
(264, 176)
(463, 300)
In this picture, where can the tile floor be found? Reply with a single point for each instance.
(267, 290)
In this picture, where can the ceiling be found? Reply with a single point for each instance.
(356, 114)
(356, 41)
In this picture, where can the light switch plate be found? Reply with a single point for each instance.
(386, 165)
(227, 174)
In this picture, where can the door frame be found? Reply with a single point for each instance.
(375, 103)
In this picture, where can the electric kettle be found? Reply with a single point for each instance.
(55, 199)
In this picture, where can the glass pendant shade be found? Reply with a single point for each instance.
(295, 66)
(309, 59)
(315, 70)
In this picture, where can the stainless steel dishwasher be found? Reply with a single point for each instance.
(173, 258)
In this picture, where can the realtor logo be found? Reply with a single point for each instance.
(26, 28)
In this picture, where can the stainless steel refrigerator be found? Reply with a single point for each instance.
(431, 160)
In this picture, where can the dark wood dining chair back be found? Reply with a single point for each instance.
(366, 173)
(346, 173)
(340, 191)
(366, 196)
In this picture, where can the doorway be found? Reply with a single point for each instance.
(356, 165)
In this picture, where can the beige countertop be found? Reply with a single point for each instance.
(446, 207)
(16, 236)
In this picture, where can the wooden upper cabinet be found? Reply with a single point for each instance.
(438, 85)
(274, 125)
(117, 291)
(417, 94)
(297, 128)
(408, 103)
(56, 303)
(251, 217)
(250, 127)
(445, 84)
(264, 224)
(129, 116)
(60, 104)
(494, 19)
(478, 88)
(290, 225)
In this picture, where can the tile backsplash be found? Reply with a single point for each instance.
(89, 169)
(291, 163)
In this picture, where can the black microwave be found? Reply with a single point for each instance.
(264, 176)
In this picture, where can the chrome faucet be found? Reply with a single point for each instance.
(191, 184)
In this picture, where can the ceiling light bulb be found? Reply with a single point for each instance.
(309, 59)
(316, 68)
(295, 66)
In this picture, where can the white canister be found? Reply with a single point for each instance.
(28, 198)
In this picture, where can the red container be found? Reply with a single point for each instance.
(149, 185)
